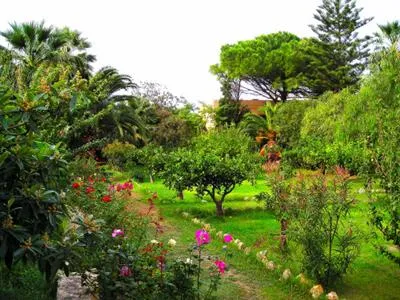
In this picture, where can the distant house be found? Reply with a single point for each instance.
(253, 105)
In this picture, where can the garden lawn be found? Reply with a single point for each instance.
(372, 276)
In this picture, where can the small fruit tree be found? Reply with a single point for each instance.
(214, 164)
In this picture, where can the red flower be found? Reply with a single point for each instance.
(125, 271)
(127, 186)
(75, 185)
(90, 179)
(89, 190)
(119, 187)
(106, 198)
(103, 179)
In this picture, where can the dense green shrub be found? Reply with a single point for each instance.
(32, 175)
(320, 224)
(119, 154)
(288, 119)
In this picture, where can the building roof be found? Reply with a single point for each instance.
(253, 105)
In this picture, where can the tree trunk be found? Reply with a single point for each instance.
(220, 210)
(151, 179)
(180, 195)
(283, 238)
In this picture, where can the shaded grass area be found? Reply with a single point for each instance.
(372, 276)
(23, 282)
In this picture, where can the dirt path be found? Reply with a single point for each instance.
(135, 203)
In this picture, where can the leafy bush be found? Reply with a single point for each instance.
(288, 119)
(213, 165)
(119, 154)
(33, 173)
(329, 243)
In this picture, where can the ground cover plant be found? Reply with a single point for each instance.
(246, 219)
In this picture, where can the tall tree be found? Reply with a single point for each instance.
(33, 44)
(230, 110)
(389, 35)
(339, 55)
(267, 65)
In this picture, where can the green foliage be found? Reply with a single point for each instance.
(338, 57)
(32, 174)
(384, 146)
(330, 244)
(259, 125)
(230, 110)
(268, 64)
(215, 163)
(23, 282)
(33, 44)
(288, 120)
(316, 208)
(388, 36)
(118, 154)
(176, 128)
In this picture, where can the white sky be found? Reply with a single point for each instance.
(174, 42)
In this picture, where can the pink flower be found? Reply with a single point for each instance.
(117, 232)
(119, 187)
(125, 271)
(127, 185)
(202, 237)
(220, 265)
(228, 238)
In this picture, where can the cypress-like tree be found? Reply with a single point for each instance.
(339, 55)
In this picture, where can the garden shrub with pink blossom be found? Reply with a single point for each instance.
(131, 258)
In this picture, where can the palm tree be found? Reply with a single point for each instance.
(261, 125)
(32, 44)
(111, 114)
(389, 35)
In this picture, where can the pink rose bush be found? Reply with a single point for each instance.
(220, 265)
(202, 237)
(228, 238)
(125, 271)
(117, 232)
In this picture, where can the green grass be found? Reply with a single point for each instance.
(24, 282)
(371, 277)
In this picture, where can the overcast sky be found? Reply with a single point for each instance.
(174, 42)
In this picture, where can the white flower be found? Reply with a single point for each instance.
(154, 241)
(316, 291)
(172, 242)
(206, 227)
(237, 241)
(185, 214)
(196, 221)
(361, 191)
(286, 274)
(262, 255)
(247, 250)
(270, 265)
(220, 234)
(240, 245)
(332, 296)
(189, 261)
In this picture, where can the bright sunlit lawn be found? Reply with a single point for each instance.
(371, 277)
